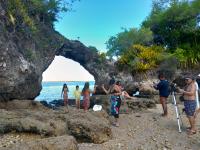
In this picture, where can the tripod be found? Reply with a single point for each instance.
(177, 111)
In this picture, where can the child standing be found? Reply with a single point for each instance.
(77, 95)
(64, 95)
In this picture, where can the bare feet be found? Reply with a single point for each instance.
(117, 124)
(164, 115)
(192, 132)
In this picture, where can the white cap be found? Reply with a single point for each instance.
(199, 75)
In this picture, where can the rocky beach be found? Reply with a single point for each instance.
(30, 125)
(167, 42)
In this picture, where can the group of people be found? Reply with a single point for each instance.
(77, 94)
(116, 91)
(190, 96)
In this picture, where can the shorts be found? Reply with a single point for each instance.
(190, 107)
(115, 105)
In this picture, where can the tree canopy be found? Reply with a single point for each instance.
(173, 25)
(119, 44)
(32, 11)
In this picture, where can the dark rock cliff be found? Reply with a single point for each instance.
(24, 56)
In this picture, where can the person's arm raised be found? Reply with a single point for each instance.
(106, 91)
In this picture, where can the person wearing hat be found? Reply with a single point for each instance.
(189, 93)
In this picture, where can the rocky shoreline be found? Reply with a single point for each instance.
(30, 125)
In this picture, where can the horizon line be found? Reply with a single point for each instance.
(70, 81)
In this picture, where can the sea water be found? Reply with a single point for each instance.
(51, 90)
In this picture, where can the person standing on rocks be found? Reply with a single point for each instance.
(86, 95)
(77, 95)
(163, 87)
(115, 98)
(189, 94)
(64, 95)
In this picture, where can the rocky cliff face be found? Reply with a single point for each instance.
(23, 57)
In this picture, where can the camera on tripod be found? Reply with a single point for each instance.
(173, 87)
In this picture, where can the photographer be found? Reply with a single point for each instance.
(190, 102)
(163, 87)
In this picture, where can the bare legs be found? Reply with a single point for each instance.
(78, 103)
(66, 102)
(192, 122)
(116, 122)
(163, 101)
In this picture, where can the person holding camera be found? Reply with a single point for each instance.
(163, 87)
(189, 93)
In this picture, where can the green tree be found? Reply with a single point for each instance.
(117, 45)
(140, 58)
(175, 27)
(29, 12)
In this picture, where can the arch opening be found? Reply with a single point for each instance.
(63, 70)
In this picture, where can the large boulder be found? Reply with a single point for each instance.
(90, 126)
(33, 119)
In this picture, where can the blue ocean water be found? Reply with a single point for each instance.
(52, 90)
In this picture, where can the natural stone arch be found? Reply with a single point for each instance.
(24, 56)
(21, 76)
(87, 58)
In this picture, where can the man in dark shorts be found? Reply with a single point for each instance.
(163, 87)
(189, 93)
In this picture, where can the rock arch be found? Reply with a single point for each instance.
(21, 76)
(87, 58)
(26, 54)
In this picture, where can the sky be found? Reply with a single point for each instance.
(93, 22)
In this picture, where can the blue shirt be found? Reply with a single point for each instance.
(163, 87)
